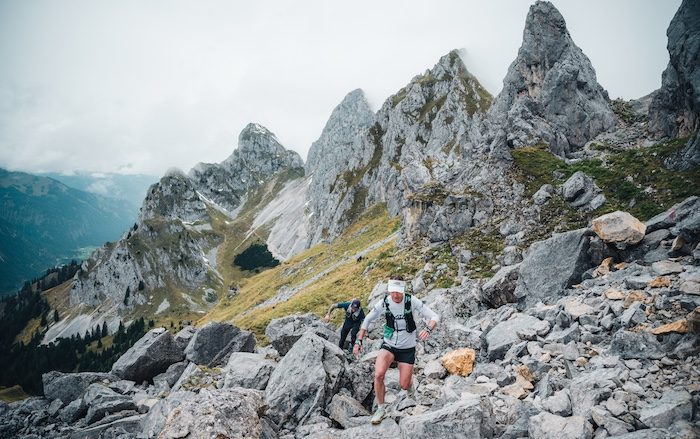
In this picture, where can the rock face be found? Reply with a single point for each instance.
(582, 192)
(675, 108)
(214, 342)
(151, 355)
(305, 380)
(258, 156)
(550, 93)
(230, 413)
(339, 148)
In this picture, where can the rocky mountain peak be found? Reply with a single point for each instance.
(174, 196)
(256, 137)
(550, 93)
(545, 36)
(675, 107)
(348, 118)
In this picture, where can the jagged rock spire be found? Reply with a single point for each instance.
(550, 93)
(675, 107)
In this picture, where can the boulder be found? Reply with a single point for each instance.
(148, 357)
(457, 420)
(285, 331)
(500, 289)
(343, 408)
(460, 361)
(548, 426)
(581, 192)
(248, 370)
(73, 411)
(551, 266)
(102, 400)
(558, 404)
(172, 374)
(505, 334)
(155, 420)
(220, 413)
(674, 405)
(640, 345)
(214, 342)
(70, 386)
(183, 337)
(619, 228)
(683, 219)
(304, 382)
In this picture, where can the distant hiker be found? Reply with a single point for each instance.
(399, 342)
(354, 315)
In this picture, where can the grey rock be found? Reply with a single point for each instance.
(543, 194)
(591, 388)
(343, 407)
(435, 370)
(633, 315)
(231, 413)
(70, 386)
(451, 421)
(305, 380)
(285, 331)
(214, 342)
(148, 357)
(54, 407)
(674, 405)
(558, 404)
(172, 374)
(504, 335)
(500, 289)
(553, 265)
(102, 400)
(638, 282)
(73, 411)
(564, 335)
(196, 377)
(129, 425)
(248, 370)
(548, 426)
(183, 337)
(153, 423)
(666, 267)
(612, 425)
(682, 217)
(640, 345)
(580, 190)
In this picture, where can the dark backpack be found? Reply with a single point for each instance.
(390, 325)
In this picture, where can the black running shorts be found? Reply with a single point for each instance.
(401, 355)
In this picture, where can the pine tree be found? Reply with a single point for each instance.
(55, 315)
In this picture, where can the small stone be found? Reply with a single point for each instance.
(679, 326)
(660, 282)
(613, 294)
(678, 243)
(460, 361)
(615, 407)
(633, 387)
(666, 267)
(603, 268)
(674, 405)
(482, 379)
(690, 287)
(634, 296)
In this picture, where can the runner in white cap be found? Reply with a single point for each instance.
(399, 342)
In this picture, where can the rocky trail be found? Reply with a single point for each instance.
(608, 348)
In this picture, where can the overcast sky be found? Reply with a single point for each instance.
(142, 86)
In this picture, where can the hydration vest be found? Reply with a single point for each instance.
(390, 326)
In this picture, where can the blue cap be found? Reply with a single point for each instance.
(355, 304)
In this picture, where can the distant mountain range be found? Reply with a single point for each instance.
(44, 222)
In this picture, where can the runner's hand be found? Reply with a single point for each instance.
(327, 318)
(423, 335)
(356, 350)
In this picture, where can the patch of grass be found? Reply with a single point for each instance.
(633, 176)
(432, 192)
(623, 109)
(12, 394)
(347, 278)
(485, 245)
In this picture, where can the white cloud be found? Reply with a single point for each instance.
(136, 86)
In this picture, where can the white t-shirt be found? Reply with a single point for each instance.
(401, 339)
